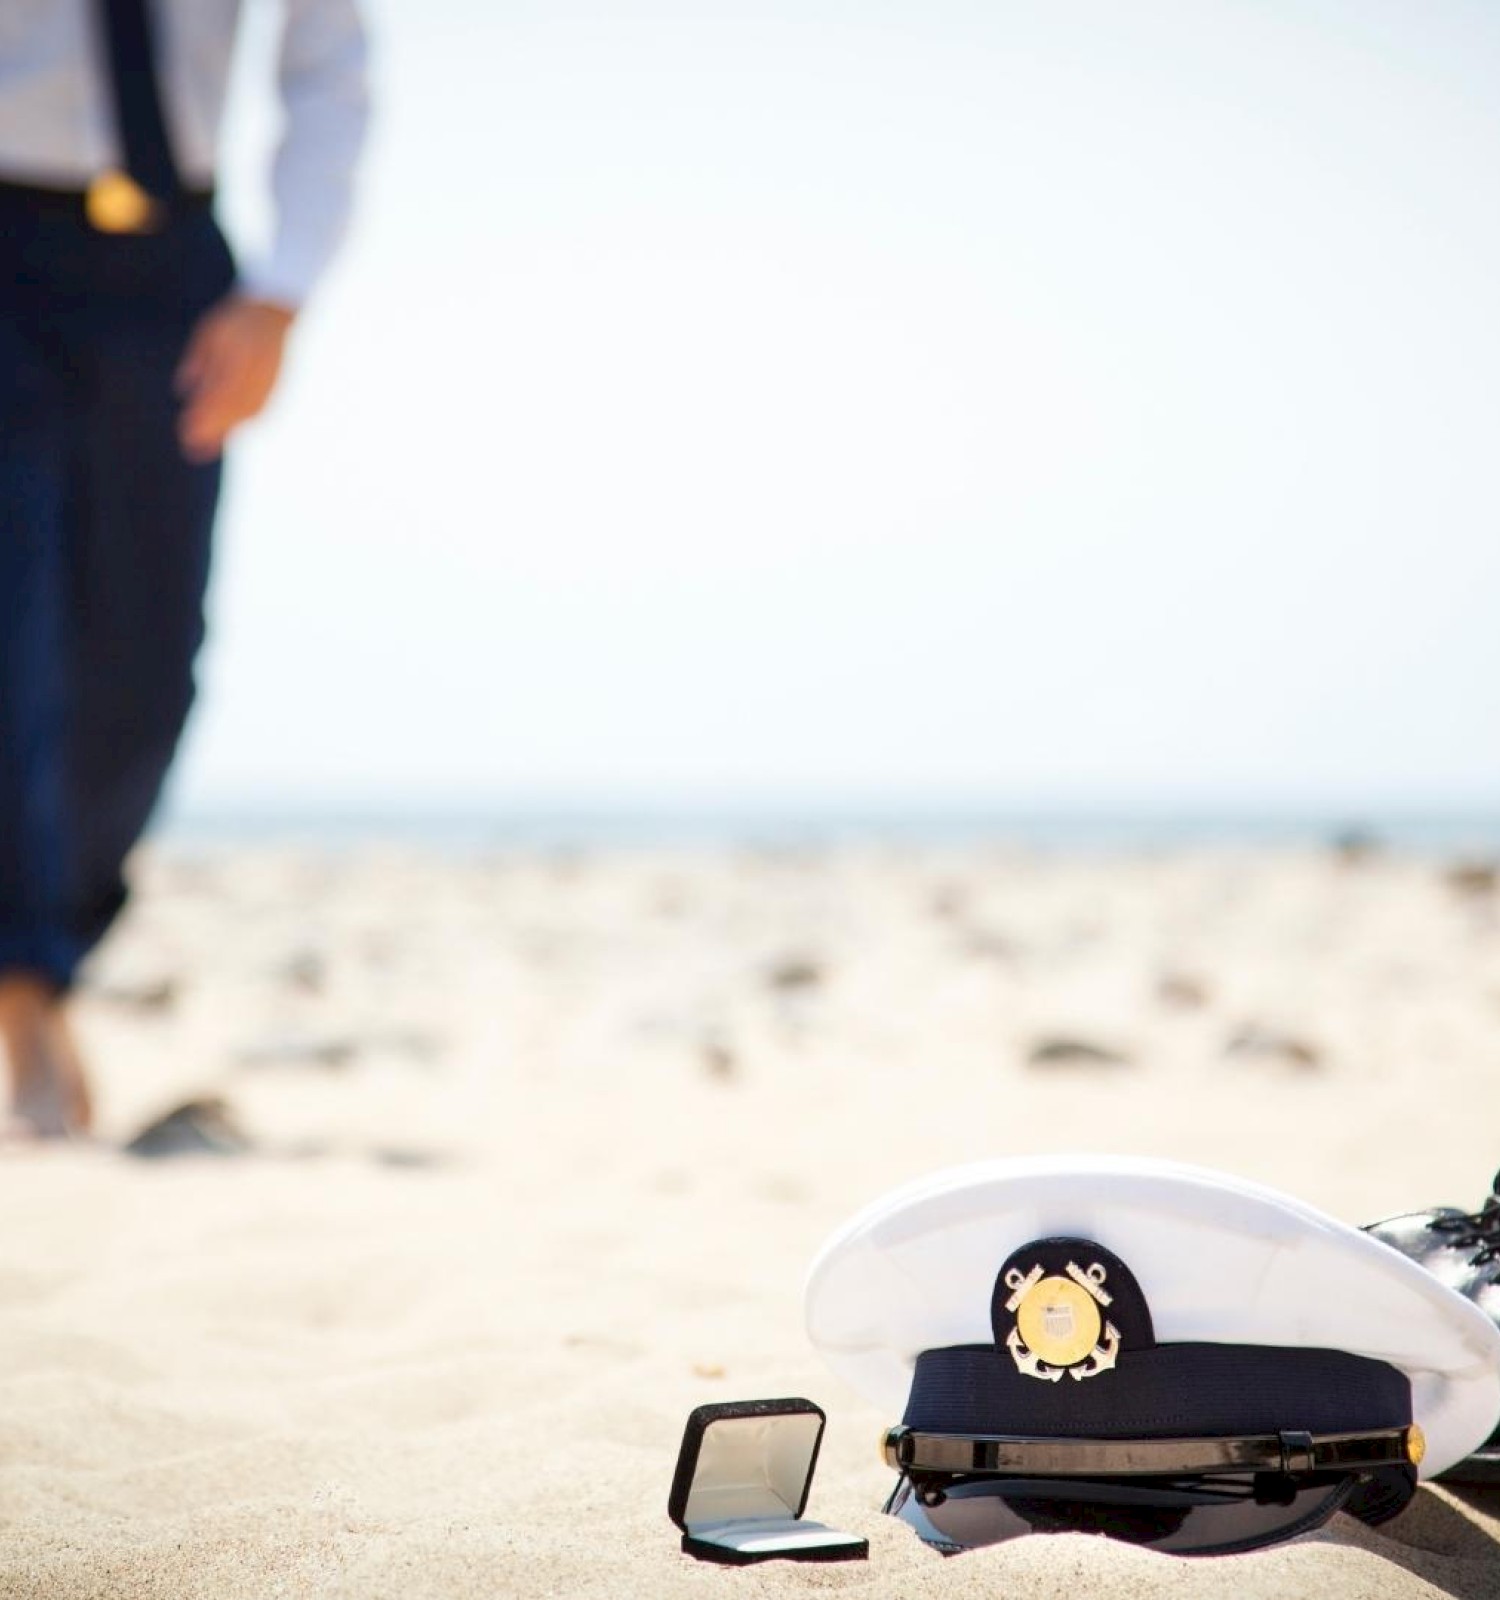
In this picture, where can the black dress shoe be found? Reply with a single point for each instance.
(1462, 1248)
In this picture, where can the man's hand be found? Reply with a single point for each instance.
(228, 371)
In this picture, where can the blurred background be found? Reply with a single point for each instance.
(949, 413)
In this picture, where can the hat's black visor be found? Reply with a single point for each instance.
(1195, 1516)
(1206, 1496)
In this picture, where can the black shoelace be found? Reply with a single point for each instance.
(1478, 1229)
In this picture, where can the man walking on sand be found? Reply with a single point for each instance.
(130, 349)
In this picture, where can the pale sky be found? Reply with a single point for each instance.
(944, 401)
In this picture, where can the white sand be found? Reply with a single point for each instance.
(563, 1151)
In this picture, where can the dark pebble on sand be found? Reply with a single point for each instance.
(718, 1059)
(306, 971)
(1068, 1052)
(299, 1050)
(793, 973)
(139, 994)
(408, 1159)
(203, 1127)
(1270, 1044)
(1473, 877)
(1182, 991)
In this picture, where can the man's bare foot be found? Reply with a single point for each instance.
(49, 1092)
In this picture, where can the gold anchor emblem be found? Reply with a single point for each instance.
(1059, 1326)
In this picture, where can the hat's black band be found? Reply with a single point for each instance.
(1165, 1391)
(1287, 1452)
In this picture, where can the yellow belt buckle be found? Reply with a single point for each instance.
(115, 203)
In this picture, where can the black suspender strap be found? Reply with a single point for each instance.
(137, 95)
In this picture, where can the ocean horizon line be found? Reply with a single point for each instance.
(787, 824)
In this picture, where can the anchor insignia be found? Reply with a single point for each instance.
(1059, 1326)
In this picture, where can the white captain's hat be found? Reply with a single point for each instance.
(1160, 1352)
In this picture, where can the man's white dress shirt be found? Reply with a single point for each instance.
(57, 125)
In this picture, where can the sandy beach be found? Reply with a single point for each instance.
(540, 1148)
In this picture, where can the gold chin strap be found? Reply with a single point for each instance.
(115, 203)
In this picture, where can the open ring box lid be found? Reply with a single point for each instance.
(742, 1481)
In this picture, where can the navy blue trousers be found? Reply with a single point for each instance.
(105, 534)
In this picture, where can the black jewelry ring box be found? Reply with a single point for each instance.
(742, 1481)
